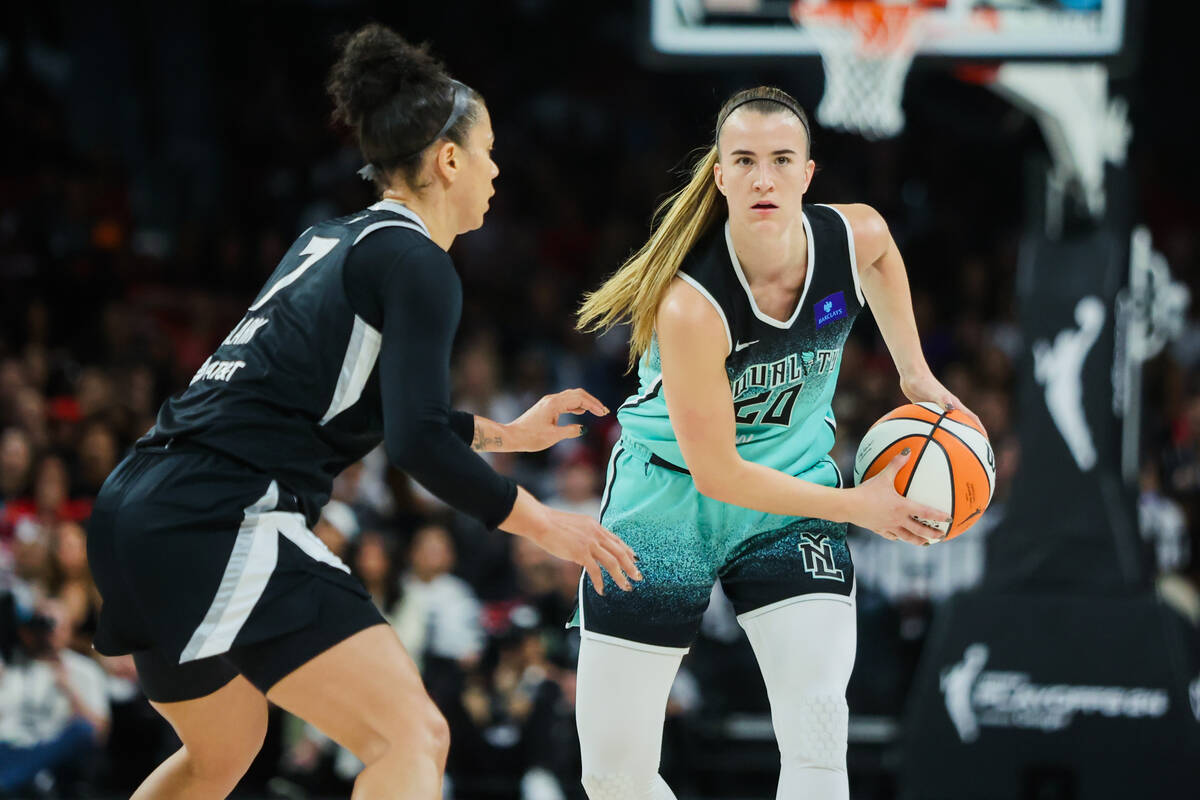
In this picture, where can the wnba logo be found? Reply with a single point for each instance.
(1059, 368)
(819, 559)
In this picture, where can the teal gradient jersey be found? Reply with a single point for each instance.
(782, 372)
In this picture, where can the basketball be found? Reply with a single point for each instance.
(952, 467)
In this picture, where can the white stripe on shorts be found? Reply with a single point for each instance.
(295, 528)
(608, 481)
(250, 565)
(249, 569)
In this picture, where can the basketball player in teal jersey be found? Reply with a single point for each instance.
(740, 304)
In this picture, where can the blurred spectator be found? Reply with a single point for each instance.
(96, 457)
(29, 412)
(551, 586)
(505, 722)
(31, 547)
(62, 421)
(373, 561)
(16, 464)
(451, 629)
(531, 375)
(363, 487)
(53, 706)
(70, 582)
(93, 393)
(337, 527)
(577, 485)
(12, 380)
(140, 399)
(477, 381)
(51, 500)
(373, 492)
(1162, 523)
(539, 573)
(904, 573)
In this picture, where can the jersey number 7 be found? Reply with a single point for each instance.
(317, 248)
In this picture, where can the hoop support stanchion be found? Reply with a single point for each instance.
(1083, 126)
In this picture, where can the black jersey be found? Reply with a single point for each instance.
(300, 389)
(782, 373)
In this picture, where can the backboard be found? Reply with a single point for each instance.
(964, 29)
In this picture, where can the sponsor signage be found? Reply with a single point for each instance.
(976, 698)
(1027, 695)
(830, 309)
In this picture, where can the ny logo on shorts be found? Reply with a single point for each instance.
(818, 557)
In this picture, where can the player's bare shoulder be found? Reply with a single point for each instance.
(871, 235)
(683, 305)
(685, 313)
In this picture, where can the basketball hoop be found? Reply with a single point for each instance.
(867, 48)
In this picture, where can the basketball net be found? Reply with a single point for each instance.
(867, 49)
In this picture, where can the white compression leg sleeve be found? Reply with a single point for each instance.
(806, 653)
(621, 703)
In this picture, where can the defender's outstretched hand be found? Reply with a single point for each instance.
(538, 427)
(576, 538)
(583, 540)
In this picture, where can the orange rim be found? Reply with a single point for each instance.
(878, 26)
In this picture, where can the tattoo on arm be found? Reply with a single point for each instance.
(482, 443)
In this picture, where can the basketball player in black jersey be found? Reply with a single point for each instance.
(200, 540)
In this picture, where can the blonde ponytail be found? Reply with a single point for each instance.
(635, 290)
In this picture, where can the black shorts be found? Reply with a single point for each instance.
(207, 570)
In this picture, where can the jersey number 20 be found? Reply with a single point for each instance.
(778, 405)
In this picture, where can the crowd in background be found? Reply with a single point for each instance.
(157, 166)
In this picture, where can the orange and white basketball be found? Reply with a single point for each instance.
(952, 467)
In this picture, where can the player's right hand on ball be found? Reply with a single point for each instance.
(583, 540)
(880, 508)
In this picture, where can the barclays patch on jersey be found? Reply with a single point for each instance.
(831, 309)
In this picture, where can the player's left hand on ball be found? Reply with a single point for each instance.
(538, 427)
(928, 389)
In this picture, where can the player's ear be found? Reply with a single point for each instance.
(809, 169)
(446, 161)
(719, 177)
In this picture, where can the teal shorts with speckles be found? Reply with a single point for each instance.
(685, 542)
